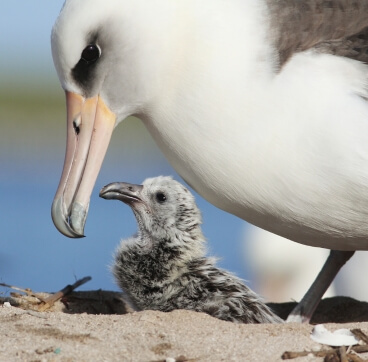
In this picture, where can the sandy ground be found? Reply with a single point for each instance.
(69, 331)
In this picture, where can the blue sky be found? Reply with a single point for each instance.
(25, 29)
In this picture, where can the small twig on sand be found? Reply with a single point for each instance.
(340, 352)
(49, 302)
(355, 358)
(360, 349)
(360, 335)
(323, 353)
(292, 355)
(27, 291)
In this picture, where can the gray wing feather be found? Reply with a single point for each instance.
(334, 26)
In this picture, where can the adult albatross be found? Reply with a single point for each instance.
(261, 106)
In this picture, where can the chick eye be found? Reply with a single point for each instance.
(90, 53)
(160, 197)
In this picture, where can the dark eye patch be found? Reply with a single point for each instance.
(85, 70)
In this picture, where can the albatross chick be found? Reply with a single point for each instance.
(164, 267)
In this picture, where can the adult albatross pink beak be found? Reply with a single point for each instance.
(89, 127)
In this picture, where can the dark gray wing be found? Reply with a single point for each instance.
(333, 26)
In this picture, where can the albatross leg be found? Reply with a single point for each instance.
(303, 312)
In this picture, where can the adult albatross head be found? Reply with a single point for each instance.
(105, 80)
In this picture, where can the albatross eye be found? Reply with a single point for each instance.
(160, 197)
(90, 53)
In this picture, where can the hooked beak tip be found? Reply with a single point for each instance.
(106, 192)
(60, 219)
(102, 191)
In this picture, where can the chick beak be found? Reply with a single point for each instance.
(125, 192)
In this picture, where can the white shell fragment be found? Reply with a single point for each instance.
(340, 337)
(7, 305)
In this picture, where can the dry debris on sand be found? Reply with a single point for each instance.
(91, 326)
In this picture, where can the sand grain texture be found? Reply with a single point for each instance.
(74, 335)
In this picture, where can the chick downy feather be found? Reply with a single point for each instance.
(164, 267)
